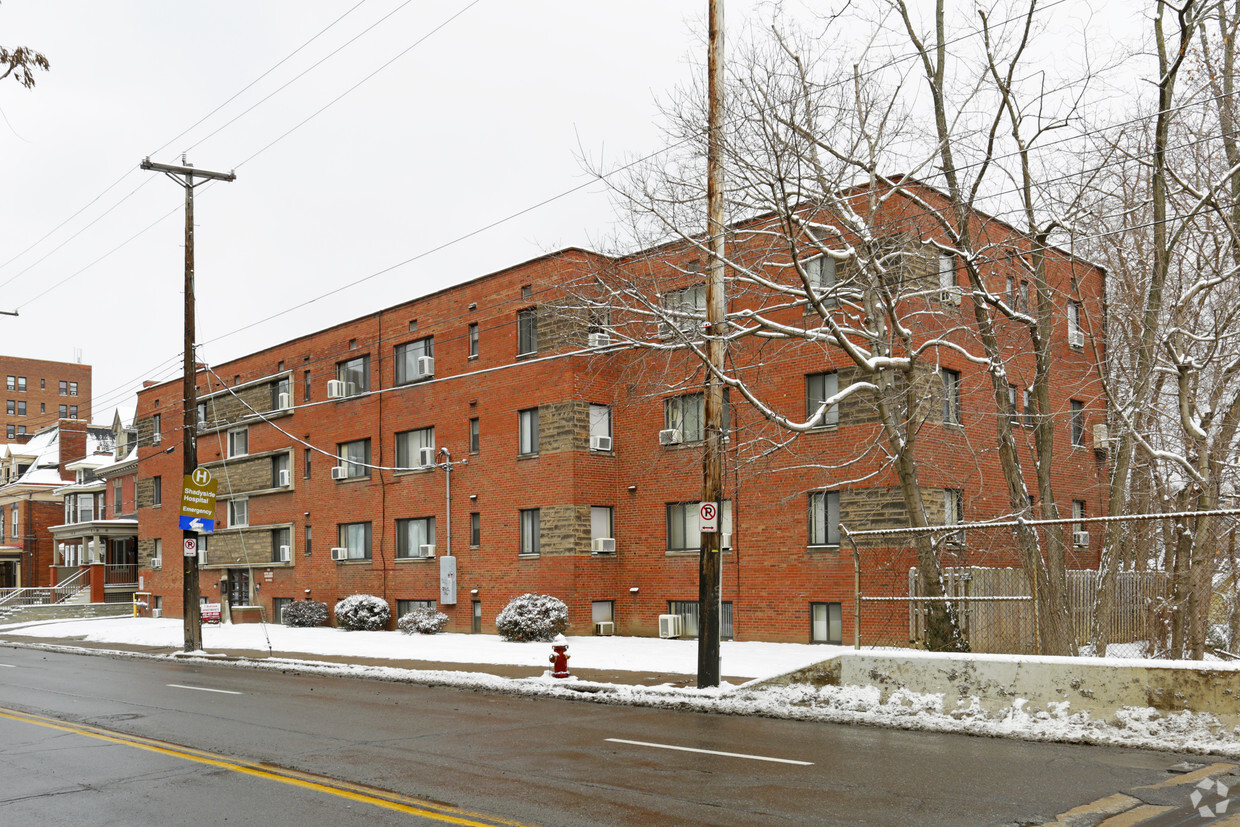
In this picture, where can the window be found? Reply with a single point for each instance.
(1, 523)
(527, 421)
(118, 503)
(1023, 304)
(278, 605)
(305, 462)
(157, 428)
(947, 279)
(404, 607)
(412, 535)
(825, 623)
(73, 411)
(1013, 407)
(63, 411)
(355, 457)
(42, 407)
(309, 543)
(9, 431)
(280, 394)
(473, 341)
(530, 527)
(1010, 290)
(601, 522)
(158, 552)
(11, 383)
(527, 332)
(685, 310)
(238, 442)
(239, 512)
(21, 430)
(279, 468)
(600, 425)
(951, 396)
(819, 387)
(201, 409)
(527, 292)
(13, 521)
(1079, 537)
(305, 386)
(407, 355)
(953, 513)
(687, 415)
(64, 388)
(474, 435)
(688, 611)
(355, 539)
(821, 273)
(1077, 418)
(824, 518)
(157, 490)
(409, 445)
(73, 388)
(1029, 413)
(683, 533)
(10, 407)
(603, 611)
(21, 407)
(281, 538)
(355, 373)
(1076, 336)
(475, 529)
(42, 384)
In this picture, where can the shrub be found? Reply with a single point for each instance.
(305, 613)
(363, 613)
(532, 617)
(425, 621)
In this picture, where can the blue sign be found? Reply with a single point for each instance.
(199, 524)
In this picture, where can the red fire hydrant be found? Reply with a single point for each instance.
(559, 657)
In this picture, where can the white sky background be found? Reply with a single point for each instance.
(484, 119)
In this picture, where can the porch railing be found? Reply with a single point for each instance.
(44, 595)
(121, 574)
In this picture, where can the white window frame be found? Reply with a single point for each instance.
(238, 512)
(238, 442)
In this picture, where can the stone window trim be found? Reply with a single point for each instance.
(210, 427)
(217, 467)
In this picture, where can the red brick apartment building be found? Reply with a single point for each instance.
(576, 460)
(38, 392)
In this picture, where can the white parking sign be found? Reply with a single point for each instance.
(191, 546)
(708, 517)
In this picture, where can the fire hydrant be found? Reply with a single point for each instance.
(559, 657)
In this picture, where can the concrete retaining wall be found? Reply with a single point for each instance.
(26, 614)
(1100, 688)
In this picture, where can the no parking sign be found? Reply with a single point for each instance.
(708, 516)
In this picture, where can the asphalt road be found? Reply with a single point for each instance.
(282, 748)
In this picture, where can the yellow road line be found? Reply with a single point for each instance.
(330, 786)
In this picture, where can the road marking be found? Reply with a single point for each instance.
(361, 793)
(712, 752)
(9, 665)
(204, 689)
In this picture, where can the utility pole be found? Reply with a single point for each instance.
(710, 567)
(185, 175)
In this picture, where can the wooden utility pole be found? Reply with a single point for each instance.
(185, 175)
(710, 567)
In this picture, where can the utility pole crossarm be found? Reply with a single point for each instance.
(194, 172)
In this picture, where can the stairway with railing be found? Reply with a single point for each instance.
(69, 591)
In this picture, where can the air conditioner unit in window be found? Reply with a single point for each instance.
(202, 556)
(285, 478)
(426, 366)
(340, 554)
(284, 402)
(603, 545)
(335, 389)
(340, 472)
(426, 457)
(605, 627)
(725, 540)
(427, 550)
(670, 626)
(156, 564)
(950, 296)
(598, 340)
(671, 436)
(600, 443)
(285, 554)
(1076, 338)
(1080, 538)
(1102, 437)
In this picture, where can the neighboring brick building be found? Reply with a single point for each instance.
(39, 392)
(558, 443)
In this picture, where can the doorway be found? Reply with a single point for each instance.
(238, 587)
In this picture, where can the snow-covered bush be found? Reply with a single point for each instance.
(363, 613)
(425, 621)
(532, 617)
(305, 613)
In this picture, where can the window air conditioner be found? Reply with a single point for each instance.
(283, 402)
(603, 545)
(202, 556)
(426, 457)
(156, 438)
(1102, 437)
(949, 296)
(1076, 338)
(340, 554)
(670, 626)
(671, 436)
(604, 627)
(725, 540)
(285, 478)
(340, 472)
(600, 443)
(426, 366)
(1080, 538)
(156, 564)
(285, 554)
(335, 389)
(427, 550)
(598, 340)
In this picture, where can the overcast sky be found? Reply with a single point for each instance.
(474, 132)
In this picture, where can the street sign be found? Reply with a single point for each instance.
(191, 546)
(198, 502)
(209, 612)
(708, 517)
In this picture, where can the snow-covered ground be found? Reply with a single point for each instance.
(1131, 726)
